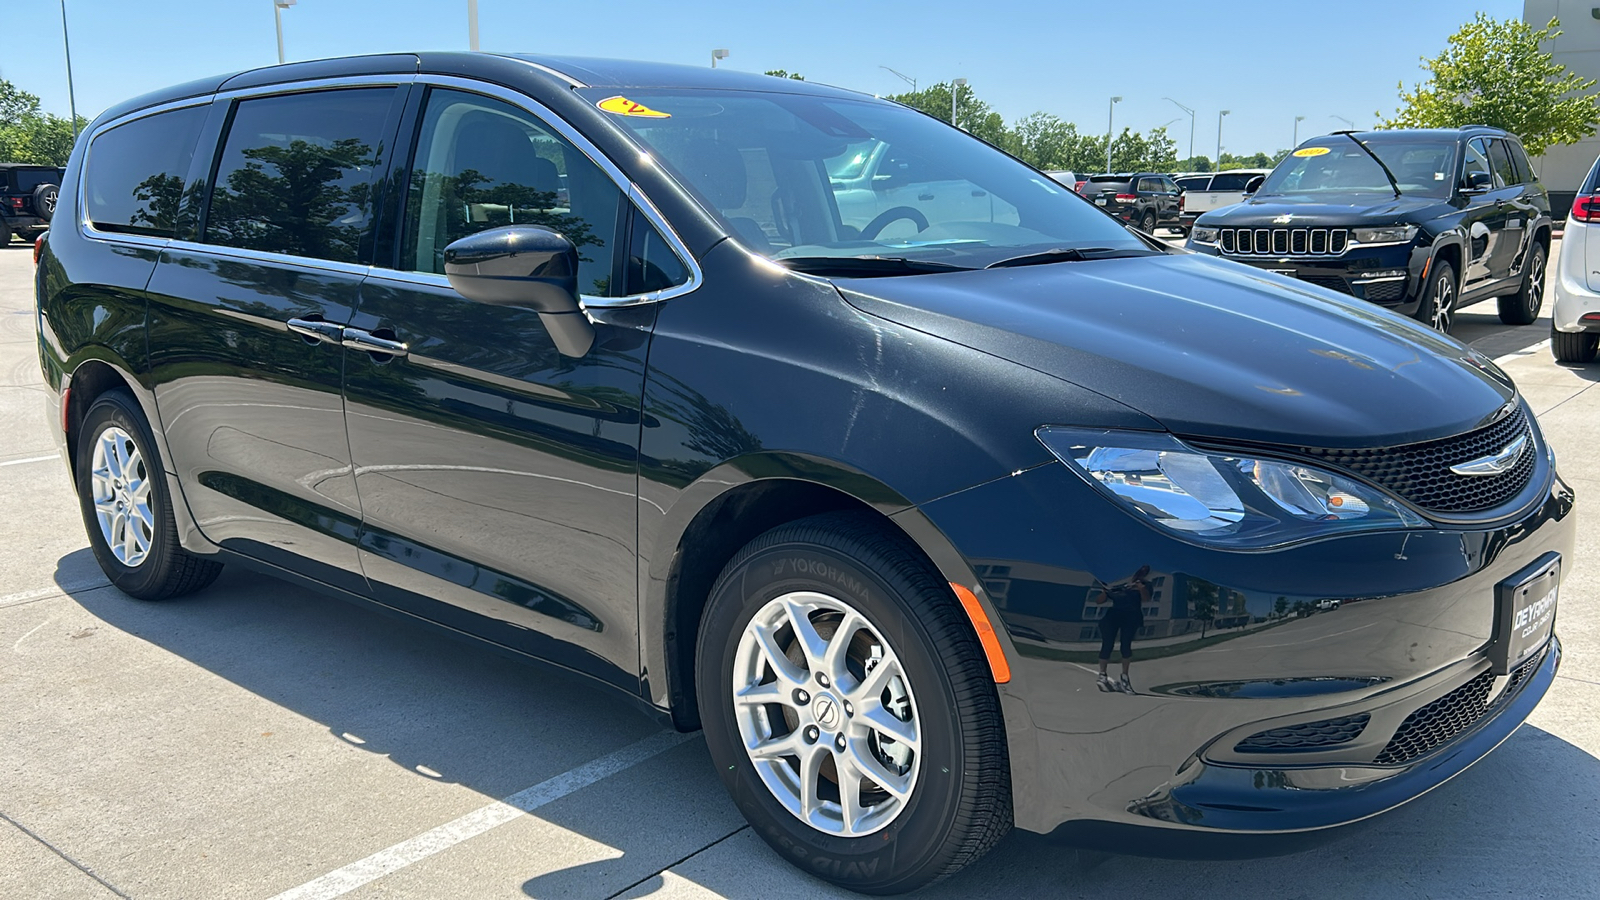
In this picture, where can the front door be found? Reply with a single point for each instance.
(498, 476)
(1484, 219)
(244, 328)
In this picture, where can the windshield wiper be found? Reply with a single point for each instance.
(866, 265)
(1071, 254)
(1386, 173)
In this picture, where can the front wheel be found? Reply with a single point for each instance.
(1438, 306)
(1523, 307)
(849, 709)
(127, 509)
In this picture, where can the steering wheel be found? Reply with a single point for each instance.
(894, 214)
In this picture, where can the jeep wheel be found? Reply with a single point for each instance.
(127, 510)
(1578, 347)
(5, 234)
(849, 709)
(1438, 306)
(1523, 307)
(1147, 223)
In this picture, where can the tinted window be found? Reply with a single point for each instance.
(1232, 181)
(1505, 174)
(28, 179)
(480, 164)
(1477, 162)
(1519, 158)
(135, 172)
(652, 266)
(296, 174)
(1195, 183)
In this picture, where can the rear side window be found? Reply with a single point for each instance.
(1500, 163)
(1519, 160)
(1231, 181)
(296, 174)
(1195, 183)
(28, 179)
(134, 177)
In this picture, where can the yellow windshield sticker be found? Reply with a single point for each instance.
(1309, 151)
(622, 106)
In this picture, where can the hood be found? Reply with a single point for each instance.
(1209, 348)
(1365, 208)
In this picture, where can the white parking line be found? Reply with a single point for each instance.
(53, 591)
(1525, 351)
(392, 859)
(31, 459)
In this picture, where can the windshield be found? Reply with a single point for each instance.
(796, 176)
(1337, 165)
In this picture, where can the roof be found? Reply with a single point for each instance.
(9, 166)
(621, 73)
(1448, 133)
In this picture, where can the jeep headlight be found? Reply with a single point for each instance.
(1391, 234)
(1227, 500)
(1202, 235)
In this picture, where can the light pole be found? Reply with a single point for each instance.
(1219, 138)
(1111, 111)
(716, 55)
(956, 84)
(1191, 124)
(1296, 142)
(472, 25)
(1347, 122)
(278, 6)
(72, 100)
(902, 76)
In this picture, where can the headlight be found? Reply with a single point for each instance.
(1226, 500)
(1394, 234)
(1204, 235)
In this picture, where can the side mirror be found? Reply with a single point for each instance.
(1477, 182)
(529, 267)
(1253, 185)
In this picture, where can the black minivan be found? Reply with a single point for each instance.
(942, 502)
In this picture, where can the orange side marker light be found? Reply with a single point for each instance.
(986, 635)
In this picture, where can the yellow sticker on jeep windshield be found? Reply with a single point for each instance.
(622, 106)
(1311, 151)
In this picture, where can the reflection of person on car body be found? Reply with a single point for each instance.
(1122, 620)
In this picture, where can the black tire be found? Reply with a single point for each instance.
(1522, 308)
(166, 570)
(1578, 347)
(1147, 223)
(1440, 290)
(44, 201)
(5, 234)
(959, 807)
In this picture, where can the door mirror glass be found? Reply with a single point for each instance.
(526, 266)
(1477, 182)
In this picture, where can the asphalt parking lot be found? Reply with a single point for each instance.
(258, 740)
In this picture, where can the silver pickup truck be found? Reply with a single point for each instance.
(1205, 191)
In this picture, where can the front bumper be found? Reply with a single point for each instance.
(1391, 277)
(1224, 656)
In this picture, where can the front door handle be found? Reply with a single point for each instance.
(317, 330)
(356, 339)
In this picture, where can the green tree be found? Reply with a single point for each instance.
(972, 115)
(1281, 607)
(1495, 73)
(29, 135)
(784, 73)
(16, 104)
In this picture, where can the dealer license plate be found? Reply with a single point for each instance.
(1525, 613)
(1099, 201)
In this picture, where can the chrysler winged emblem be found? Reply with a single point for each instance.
(1496, 463)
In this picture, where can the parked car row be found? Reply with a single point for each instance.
(28, 195)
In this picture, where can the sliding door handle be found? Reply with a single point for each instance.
(356, 339)
(317, 330)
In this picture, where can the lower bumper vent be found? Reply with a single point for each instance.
(1306, 736)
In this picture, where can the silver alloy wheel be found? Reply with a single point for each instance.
(1444, 300)
(1536, 286)
(50, 201)
(121, 487)
(826, 714)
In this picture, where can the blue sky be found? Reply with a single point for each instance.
(1266, 60)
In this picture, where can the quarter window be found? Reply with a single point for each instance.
(1519, 158)
(652, 265)
(480, 163)
(296, 174)
(134, 178)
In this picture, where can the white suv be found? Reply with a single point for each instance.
(1575, 315)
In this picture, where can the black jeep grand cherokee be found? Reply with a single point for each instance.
(1420, 221)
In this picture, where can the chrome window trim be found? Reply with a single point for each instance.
(268, 256)
(398, 79)
(86, 227)
(640, 202)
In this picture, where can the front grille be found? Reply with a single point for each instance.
(1385, 291)
(1331, 282)
(1283, 241)
(1450, 715)
(1306, 736)
(1438, 722)
(1421, 474)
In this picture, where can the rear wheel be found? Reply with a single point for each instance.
(1523, 307)
(1438, 307)
(127, 511)
(1147, 223)
(1574, 348)
(5, 234)
(849, 709)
